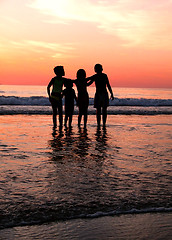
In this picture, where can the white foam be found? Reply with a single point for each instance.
(112, 110)
(44, 101)
(131, 211)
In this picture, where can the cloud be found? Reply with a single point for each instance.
(135, 22)
(54, 50)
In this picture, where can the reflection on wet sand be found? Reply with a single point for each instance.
(50, 175)
(101, 141)
(65, 144)
(79, 161)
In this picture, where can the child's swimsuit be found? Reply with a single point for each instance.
(101, 98)
(57, 89)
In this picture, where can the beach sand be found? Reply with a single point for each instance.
(155, 226)
(34, 163)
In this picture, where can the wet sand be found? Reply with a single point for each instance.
(28, 144)
(156, 226)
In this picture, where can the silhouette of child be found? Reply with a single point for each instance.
(83, 98)
(70, 96)
(101, 99)
(55, 97)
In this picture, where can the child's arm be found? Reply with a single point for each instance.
(90, 80)
(63, 92)
(110, 89)
(49, 86)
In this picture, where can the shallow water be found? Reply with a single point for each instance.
(48, 176)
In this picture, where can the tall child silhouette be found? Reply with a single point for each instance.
(83, 98)
(55, 97)
(101, 99)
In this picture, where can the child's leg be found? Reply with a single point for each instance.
(54, 108)
(66, 118)
(70, 120)
(60, 114)
(85, 119)
(79, 119)
(98, 114)
(54, 116)
(71, 115)
(104, 116)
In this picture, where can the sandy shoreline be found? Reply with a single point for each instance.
(130, 226)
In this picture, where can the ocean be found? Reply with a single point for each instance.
(55, 185)
(33, 100)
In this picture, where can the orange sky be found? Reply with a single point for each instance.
(132, 40)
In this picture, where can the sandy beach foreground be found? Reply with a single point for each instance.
(155, 226)
(80, 184)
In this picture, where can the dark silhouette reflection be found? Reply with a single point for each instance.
(68, 131)
(78, 170)
(101, 140)
(82, 143)
(67, 145)
(56, 145)
(78, 146)
(56, 133)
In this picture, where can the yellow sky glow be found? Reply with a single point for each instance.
(132, 39)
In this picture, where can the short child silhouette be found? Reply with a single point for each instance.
(70, 96)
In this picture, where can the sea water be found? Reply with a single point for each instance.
(34, 100)
(48, 176)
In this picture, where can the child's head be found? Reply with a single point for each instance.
(81, 74)
(98, 68)
(59, 71)
(68, 84)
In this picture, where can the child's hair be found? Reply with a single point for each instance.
(81, 73)
(98, 68)
(68, 84)
(59, 70)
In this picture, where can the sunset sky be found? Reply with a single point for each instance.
(132, 39)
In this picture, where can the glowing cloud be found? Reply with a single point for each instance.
(55, 50)
(135, 22)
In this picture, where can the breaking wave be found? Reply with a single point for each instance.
(44, 101)
(11, 105)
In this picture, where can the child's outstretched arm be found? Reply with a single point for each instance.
(90, 80)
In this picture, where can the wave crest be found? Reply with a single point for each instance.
(44, 101)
